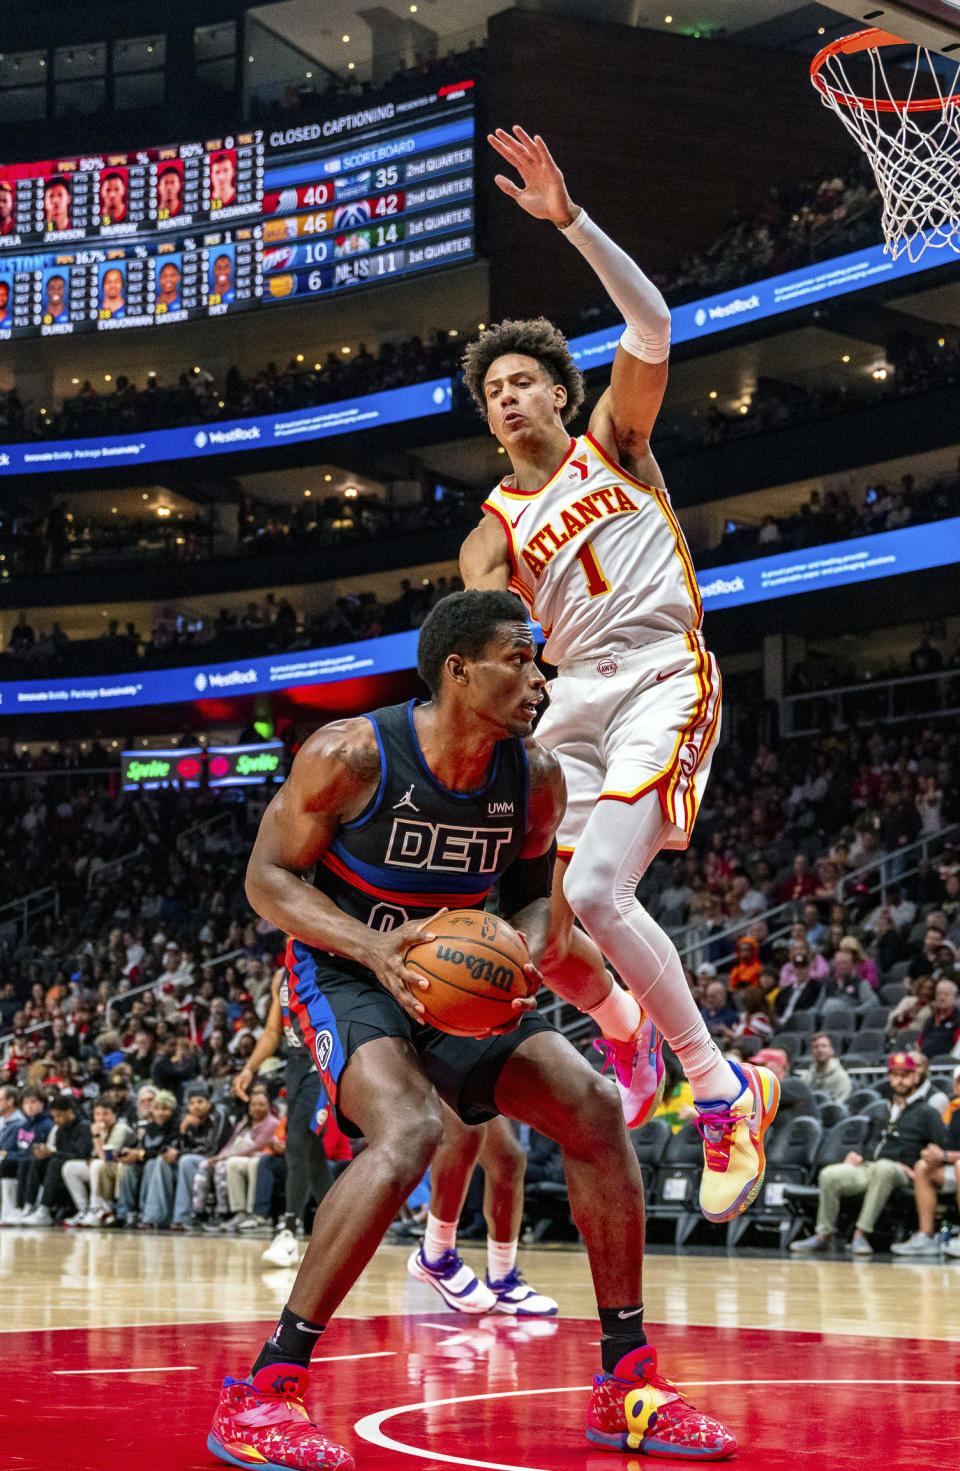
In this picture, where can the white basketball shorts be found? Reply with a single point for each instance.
(625, 724)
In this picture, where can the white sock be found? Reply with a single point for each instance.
(618, 1016)
(615, 849)
(439, 1237)
(501, 1258)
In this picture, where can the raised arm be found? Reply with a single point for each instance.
(623, 419)
(332, 779)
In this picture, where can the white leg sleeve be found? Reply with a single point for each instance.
(618, 844)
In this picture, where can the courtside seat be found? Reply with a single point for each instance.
(649, 1145)
(801, 1199)
(791, 1153)
(871, 1042)
(831, 1112)
(860, 1098)
(674, 1196)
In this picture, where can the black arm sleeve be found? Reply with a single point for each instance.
(526, 880)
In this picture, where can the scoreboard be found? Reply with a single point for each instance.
(164, 235)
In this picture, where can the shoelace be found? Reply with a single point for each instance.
(447, 1265)
(716, 1149)
(612, 1057)
(508, 1283)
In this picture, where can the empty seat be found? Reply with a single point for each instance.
(874, 1016)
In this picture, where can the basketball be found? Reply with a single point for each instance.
(475, 969)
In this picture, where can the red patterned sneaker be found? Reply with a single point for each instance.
(263, 1422)
(636, 1409)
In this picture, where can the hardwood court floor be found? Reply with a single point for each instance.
(114, 1345)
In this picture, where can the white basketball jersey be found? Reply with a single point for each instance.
(598, 557)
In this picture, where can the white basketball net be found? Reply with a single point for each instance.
(915, 154)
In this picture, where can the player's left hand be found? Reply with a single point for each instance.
(544, 194)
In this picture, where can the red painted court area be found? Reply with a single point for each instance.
(425, 1393)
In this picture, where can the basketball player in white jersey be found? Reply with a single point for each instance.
(584, 531)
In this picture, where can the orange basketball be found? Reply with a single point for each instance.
(475, 969)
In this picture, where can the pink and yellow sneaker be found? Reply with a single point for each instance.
(637, 1071)
(263, 1422)
(732, 1134)
(636, 1409)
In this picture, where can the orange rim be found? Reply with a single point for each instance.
(870, 40)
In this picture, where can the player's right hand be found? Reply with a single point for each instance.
(386, 961)
(241, 1083)
(544, 194)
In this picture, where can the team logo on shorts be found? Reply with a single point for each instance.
(688, 758)
(607, 667)
(324, 1047)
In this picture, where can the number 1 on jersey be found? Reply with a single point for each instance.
(597, 584)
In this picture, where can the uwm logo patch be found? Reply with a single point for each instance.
(445, 847)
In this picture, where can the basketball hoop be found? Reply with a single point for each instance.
(912, 141)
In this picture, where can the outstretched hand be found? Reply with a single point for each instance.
(544, 193)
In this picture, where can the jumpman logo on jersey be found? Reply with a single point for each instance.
(406, 800)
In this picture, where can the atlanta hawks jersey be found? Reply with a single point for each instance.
(418, 846)
(598, 557)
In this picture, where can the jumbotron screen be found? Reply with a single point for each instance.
(210, 228)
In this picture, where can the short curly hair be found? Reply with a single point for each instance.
(463, 623)
(534, 338)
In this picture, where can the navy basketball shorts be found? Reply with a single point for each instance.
(333, 1011)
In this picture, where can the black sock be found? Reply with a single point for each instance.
(290, 1222)
(621, 1331)
(292, 1342)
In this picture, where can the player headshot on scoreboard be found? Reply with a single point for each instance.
(170, 190)
(57, 203)
(4, 303)
(353, 244)
(113, 196)
(223, 178)
(113, 291)
(7, 207)
(220, 289)
(167, 298)
(55, 308)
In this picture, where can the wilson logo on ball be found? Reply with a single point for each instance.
(500, 976)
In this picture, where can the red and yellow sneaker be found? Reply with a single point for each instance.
(732, 1133)
(636, 1409)
(263, 1422)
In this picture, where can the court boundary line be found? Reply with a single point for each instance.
(368, 1427)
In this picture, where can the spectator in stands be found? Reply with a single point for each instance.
(111, 1134)
(803, 966)
(863, 966)
(68, 1139)
(157, 1141)
(718, 1014)
(900, 909)
(248, 1140)
(813, 924)
(935, 1171)
(178, 1061)
(18, 1156)
(844, 981)
(913, 1011)
(887, 1164)
(11, 1119)
(800, 885)
(204, 1129)
(754, 1015)
(746, 972)
(941, 1032)
(827, 1074)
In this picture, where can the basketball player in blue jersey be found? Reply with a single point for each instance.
(583, 529)
(395, 814)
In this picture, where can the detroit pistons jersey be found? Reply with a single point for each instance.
(418, 846)
(598, 557)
